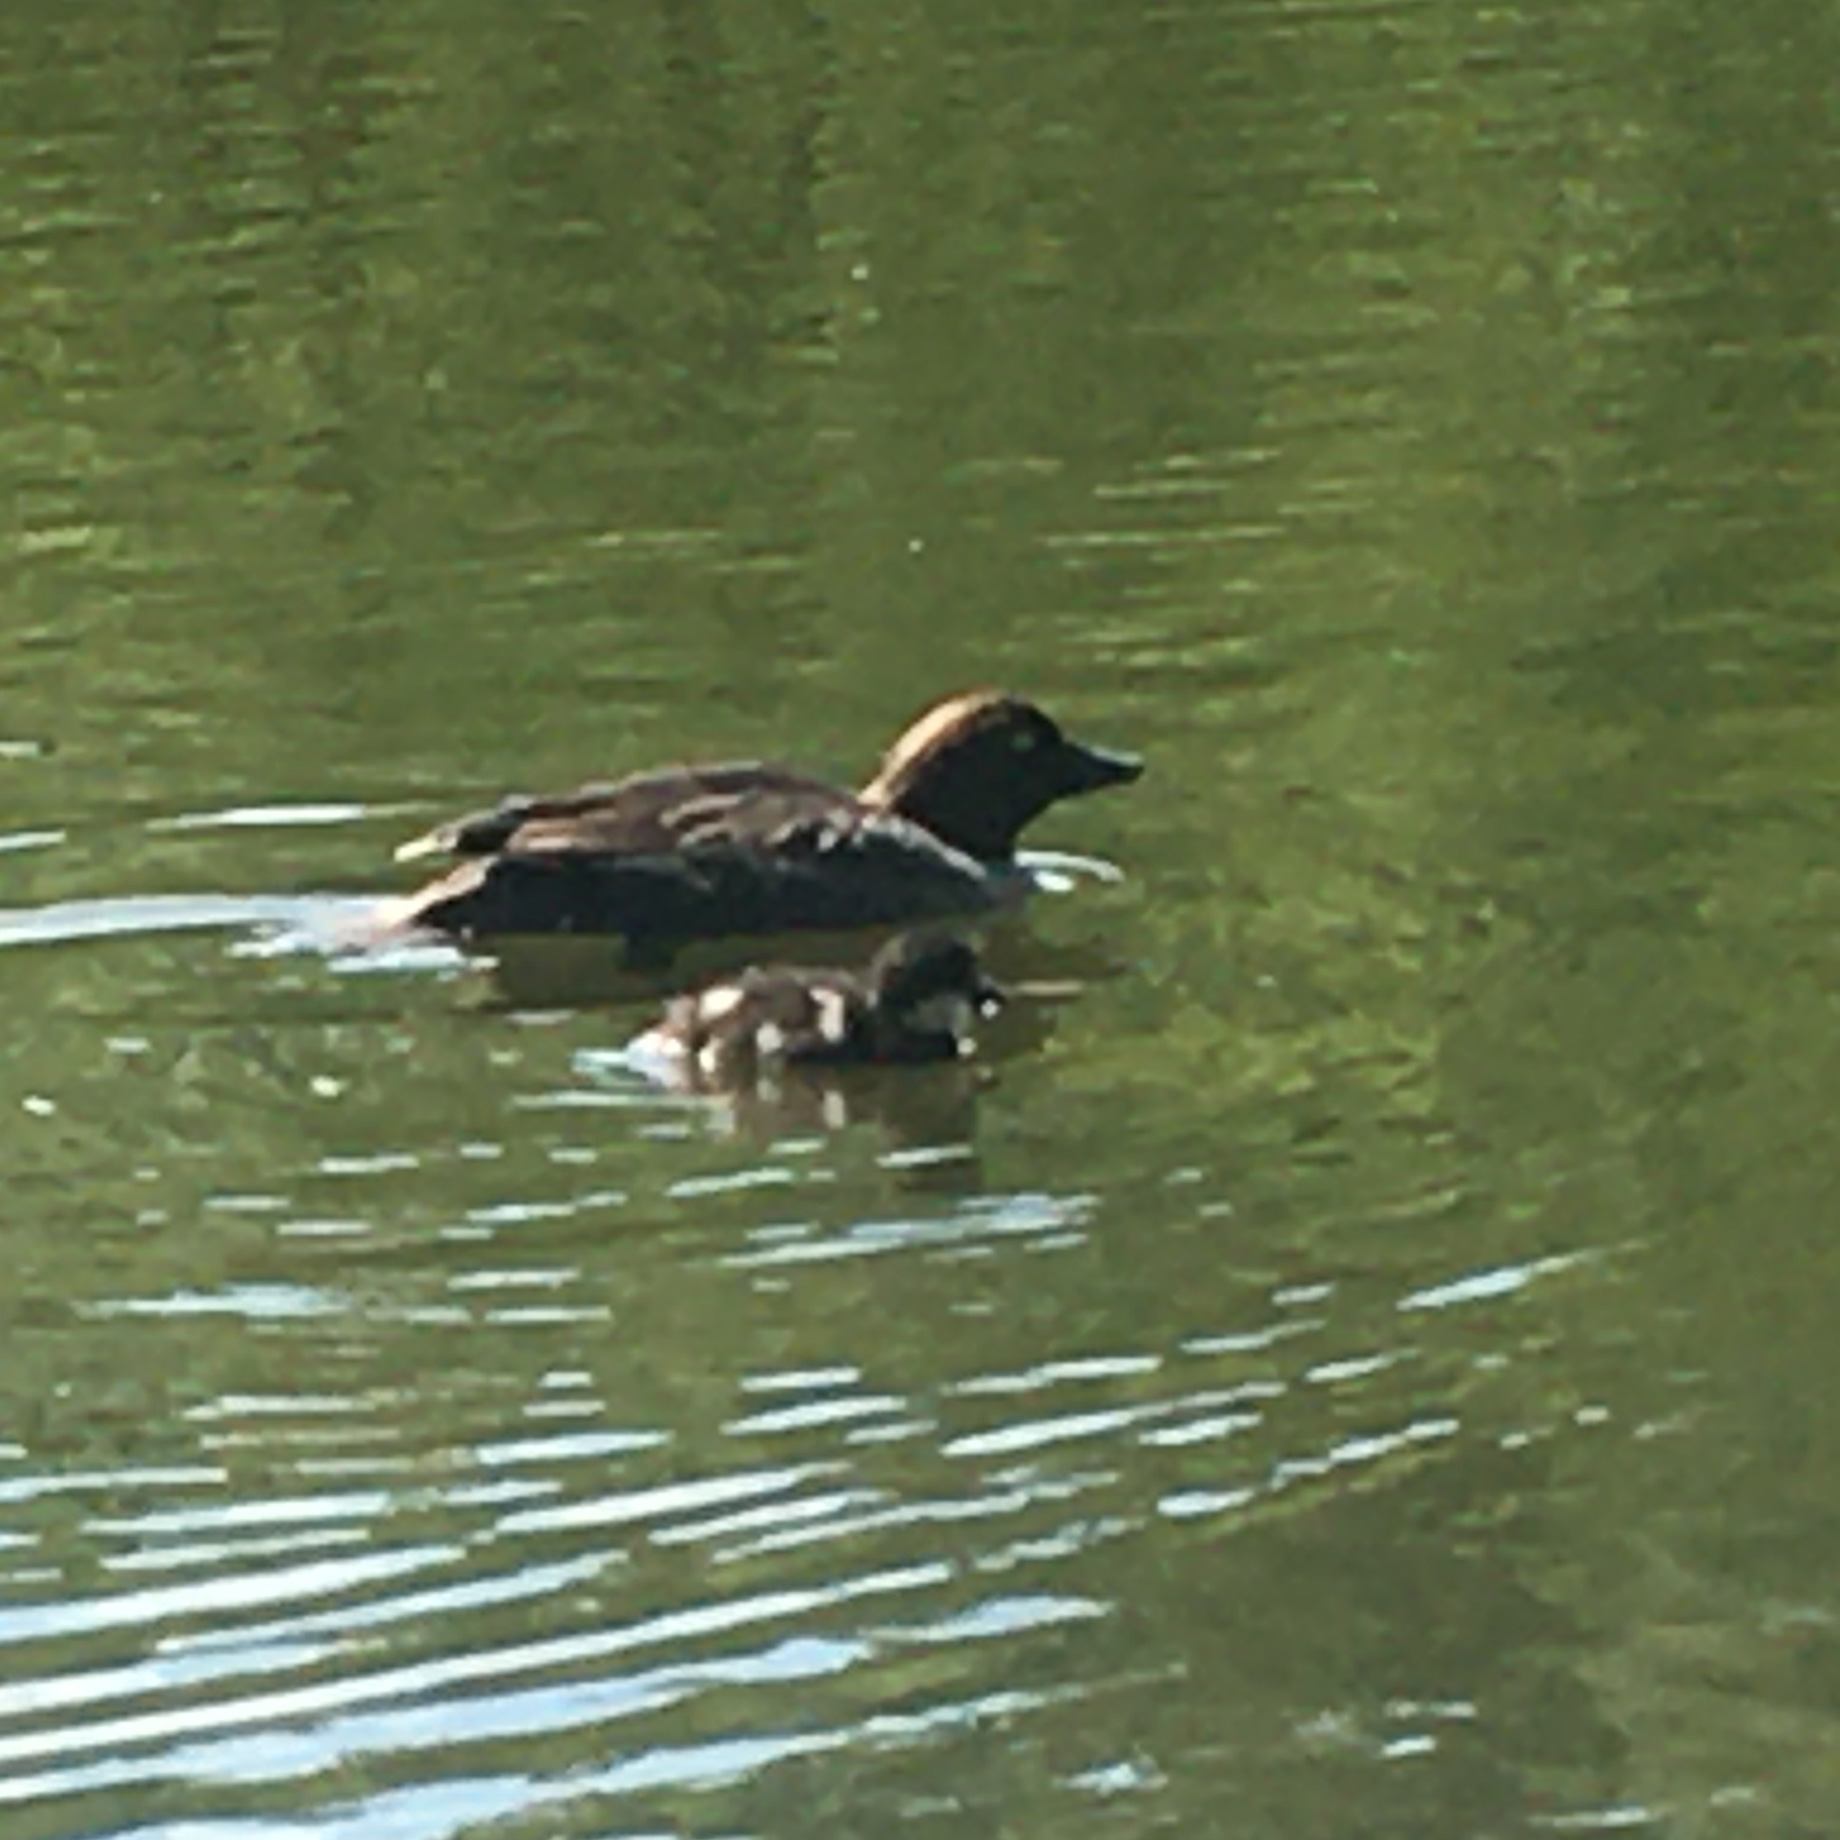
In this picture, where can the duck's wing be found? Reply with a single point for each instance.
(769, 864)
(744, 808)
(648, 812)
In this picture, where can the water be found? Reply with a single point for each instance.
(1352, 1356)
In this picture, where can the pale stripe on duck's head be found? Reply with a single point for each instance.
(977, 768)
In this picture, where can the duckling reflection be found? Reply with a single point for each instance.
(923, 1131)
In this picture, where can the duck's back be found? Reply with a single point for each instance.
(639, 815)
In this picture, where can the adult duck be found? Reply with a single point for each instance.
(695, 853)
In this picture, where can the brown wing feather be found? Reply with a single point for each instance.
(642, 815)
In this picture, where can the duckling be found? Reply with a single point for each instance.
(917, 1001)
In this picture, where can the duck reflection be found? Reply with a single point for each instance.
(580, 972)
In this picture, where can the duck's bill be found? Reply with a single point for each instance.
(1090, 769)
(988, 998)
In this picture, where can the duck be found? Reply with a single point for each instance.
(918, 1000)
(695, 853)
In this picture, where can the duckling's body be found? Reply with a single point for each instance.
(746, 848)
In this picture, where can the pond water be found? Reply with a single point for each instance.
(1351, 1356)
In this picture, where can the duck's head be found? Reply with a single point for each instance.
(932, 985)
(976, 769)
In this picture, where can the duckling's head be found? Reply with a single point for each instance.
(976, 769)
(930, 986)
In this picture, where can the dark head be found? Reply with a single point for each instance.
(930, 986)
(976, 769)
